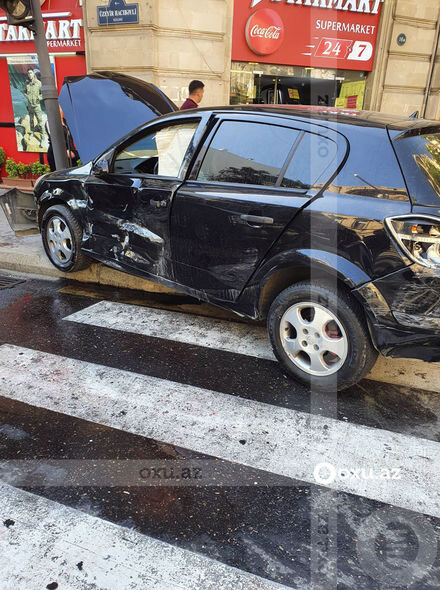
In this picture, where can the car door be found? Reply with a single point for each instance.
(129, 206)
(250, 180)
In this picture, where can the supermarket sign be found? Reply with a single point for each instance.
(63, 23)
(334, 34)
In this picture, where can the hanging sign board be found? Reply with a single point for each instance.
(333, 34)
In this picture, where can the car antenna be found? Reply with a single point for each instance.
(366, 182)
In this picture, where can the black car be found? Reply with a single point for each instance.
(325, 223)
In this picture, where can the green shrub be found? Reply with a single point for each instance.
(2, 156)
(39, 169)
(21, 169)
(11, 167)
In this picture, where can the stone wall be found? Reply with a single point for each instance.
(401, 74)
(174, 42)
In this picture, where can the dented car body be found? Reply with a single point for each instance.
(273, 212)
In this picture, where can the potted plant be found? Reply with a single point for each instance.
(23, 175)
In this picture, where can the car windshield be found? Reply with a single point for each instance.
(420, 158)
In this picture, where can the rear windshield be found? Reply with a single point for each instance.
(419, 156)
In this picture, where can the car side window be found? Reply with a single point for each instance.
(161, 152)
(247, 153)
(313, 162)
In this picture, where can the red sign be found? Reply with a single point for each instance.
(63, 20)
(264, 31)
(334, 34)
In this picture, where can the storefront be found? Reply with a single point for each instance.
(22, 115)
(310, 52)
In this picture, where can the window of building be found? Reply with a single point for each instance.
(247, 153)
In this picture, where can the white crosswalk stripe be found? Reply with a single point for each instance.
(189, 329)
(45, 541)
(279, 440)
(246, 339)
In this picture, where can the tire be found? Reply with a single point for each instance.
(320, 336)
(62, 235)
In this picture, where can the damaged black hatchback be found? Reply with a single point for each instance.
(325, 223)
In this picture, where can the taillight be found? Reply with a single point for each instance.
(419, 238)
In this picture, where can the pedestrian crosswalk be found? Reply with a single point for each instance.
(371, 463)
(46, 543)
(282, 441)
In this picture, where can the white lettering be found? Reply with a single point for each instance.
(64, 29)
(54, 30)
(328, 25)
(51, 32)
(3, 29)
(376, 6)
(76, 23)
(349, 5)
(12, 34)
(364, 6)
(265, 32)
(23, 34)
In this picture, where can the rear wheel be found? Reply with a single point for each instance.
(320, 336)
(62, 234)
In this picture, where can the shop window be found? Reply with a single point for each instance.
(161, 152)
(247, 153)
(313, 162)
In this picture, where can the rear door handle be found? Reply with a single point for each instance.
(257, 219)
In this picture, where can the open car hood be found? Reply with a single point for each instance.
(103, 107)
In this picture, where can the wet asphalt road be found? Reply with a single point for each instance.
(280, 529)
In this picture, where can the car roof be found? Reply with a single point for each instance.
(331, 115)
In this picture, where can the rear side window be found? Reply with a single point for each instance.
(247, 153)
(371, 169)
(420, 159)
(314, 160)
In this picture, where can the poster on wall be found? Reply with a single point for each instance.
(27, 101)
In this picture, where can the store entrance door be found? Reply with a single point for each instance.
(293, 90)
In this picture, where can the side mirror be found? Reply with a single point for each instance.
(101, 168)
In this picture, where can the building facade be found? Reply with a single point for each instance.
(396, 43)
(375, 54)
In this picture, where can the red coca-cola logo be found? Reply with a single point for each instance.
(264, 31)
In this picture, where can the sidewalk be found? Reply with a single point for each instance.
(26, 254)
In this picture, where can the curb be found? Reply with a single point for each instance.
(32, 259)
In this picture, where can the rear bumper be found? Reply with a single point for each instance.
(403, 311)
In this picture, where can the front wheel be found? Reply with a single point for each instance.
(62, 234)
(320, 336)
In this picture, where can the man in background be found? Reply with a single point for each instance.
(196, 90)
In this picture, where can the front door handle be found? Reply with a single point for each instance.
(257, 219)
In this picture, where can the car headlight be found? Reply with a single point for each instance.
(419, 238)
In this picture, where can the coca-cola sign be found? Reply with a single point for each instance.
(331, 34)
(264, 31)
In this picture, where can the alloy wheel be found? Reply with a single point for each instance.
(59, 241)
(314, 339)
